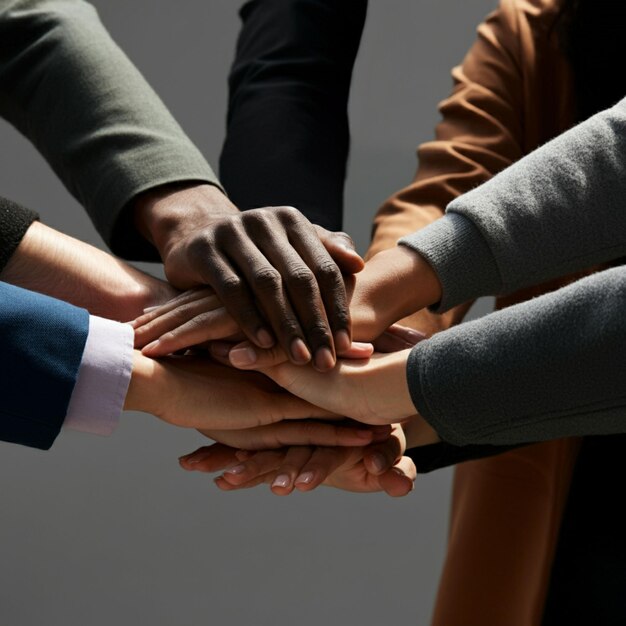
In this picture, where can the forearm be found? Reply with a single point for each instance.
(49, 262)
(393, 221)
(394, 284)
(548, 368)
(557, 211)
(66, 85)
(288, 88)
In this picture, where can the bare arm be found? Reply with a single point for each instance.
(50, 262)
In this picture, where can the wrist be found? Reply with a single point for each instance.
(394, 284)
(50, 262)
(144, 389)
(387, 383)
(409, 281)
(168, 213)
(419, 432)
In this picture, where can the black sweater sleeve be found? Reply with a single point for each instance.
(15, 220)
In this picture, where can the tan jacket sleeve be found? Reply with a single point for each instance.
(479, 135)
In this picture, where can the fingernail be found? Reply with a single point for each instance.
(242, 357)
(264, 338)
(305, 479)
(324, 359)
(378, 461)
(196, 457)
(281, 481)
(299, 352)
(186, 461)
(237, 469)
(151, 347)
(342, 341)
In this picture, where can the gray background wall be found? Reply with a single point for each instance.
(104, 531)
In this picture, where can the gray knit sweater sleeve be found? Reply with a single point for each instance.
(548, 368)
(66, 85)
(560, 209)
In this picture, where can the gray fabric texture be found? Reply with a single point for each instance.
(560, 209)
(552, 367)
(68, 88)
(548, 368)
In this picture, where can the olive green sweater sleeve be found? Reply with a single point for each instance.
(69, 89)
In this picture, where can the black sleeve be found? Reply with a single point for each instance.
(287, 132)
(15, 220)
(438, 455)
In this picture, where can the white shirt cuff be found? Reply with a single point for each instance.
(103, 378)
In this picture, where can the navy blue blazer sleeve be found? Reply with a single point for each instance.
(42, 346)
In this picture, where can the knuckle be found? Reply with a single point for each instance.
(341, 317)
(267, 279)
(289, 326)
(199, 322)
(201, 246)
(318, 332)
(229, 287)
(224, 228)
(182, 313)
(301, 279)
(291, 216)
(289, 212)
(328, 274)
(256, 220)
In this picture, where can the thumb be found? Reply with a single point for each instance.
(341, 248)
(247, 356)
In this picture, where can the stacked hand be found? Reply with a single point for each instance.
(278, 276)
(271, 277)
(377, 467)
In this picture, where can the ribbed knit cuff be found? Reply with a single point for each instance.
(15, 220)
(460, 256)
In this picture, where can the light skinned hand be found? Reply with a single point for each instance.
(378, 467)
(197, 316)
(246, 356)
(277, 275)
(372, 391)
(299, 433)
(394, 284)
(197, 393)
(193, 317)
